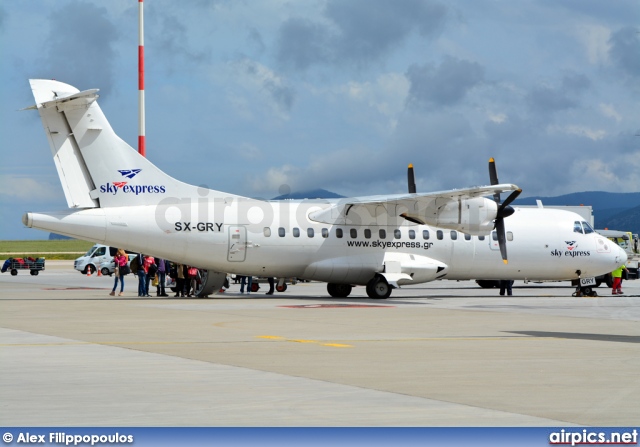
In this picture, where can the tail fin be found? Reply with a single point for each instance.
(96, 167)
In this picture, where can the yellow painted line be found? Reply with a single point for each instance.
(333, 345)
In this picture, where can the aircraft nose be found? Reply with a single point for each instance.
(621, 256)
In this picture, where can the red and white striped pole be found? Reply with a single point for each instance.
(141, 133)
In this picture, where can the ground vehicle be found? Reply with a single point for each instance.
(33, 265)
(94, 258)
(98, 257)
(626, 241)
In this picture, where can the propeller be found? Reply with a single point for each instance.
(504, 210)
(411, 179)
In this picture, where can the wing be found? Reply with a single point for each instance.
(464, 210)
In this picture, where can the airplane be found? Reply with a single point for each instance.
(119, 198)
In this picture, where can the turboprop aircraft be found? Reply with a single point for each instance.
(119, 198)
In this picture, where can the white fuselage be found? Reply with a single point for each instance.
(278, 239)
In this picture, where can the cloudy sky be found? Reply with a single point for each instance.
(248, 96)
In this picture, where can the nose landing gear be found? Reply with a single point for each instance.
(584, 287)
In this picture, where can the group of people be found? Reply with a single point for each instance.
(153, 271)
(248, 281)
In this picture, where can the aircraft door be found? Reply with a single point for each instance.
(237, 243)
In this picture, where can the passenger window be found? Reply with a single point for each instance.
(338, 232)
(310, 232)
(281, 232)
(509, 236)
(113, 251)
(494, 236)
(296, 232)
(354, 233)
(382, 233)
(325, 233)
(267, 232)
(577, 228)
(481, 238)
(425, 234)
(397, 234)
(467, 237)
(439, 235)
(367, 233)
(454, 235)
(412, 234)
(100, 252)
(587, 228)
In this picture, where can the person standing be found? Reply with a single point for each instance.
(150, 270)
(179, 280)
(249, 281)
(616, 288)
(142, 274)
(271, 285)
(163, 267)
(241, 280)
(506, 285)
(120, 260)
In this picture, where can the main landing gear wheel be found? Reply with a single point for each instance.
(339, 290)
(281, 288)
(378, 288)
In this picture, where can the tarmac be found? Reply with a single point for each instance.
(446, 353)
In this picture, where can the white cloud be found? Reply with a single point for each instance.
(28, 189)
(582, 131)
(498, 118)
(257, 80)
(595, 39)
(609, 111)
(386, 94)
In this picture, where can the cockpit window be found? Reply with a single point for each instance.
(577, 228)
(587, 228)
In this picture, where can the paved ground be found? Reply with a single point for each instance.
(440, 354)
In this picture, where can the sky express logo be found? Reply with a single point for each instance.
(571, 251)
(125, 188)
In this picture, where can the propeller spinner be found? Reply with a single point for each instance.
(504, 210)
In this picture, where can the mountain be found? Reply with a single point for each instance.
(599, 200)
(628, 220)
(57, 237)
(314, 194)
(616, 211)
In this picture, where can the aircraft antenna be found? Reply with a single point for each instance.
(141, 131)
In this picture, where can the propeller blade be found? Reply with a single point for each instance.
(502, 240)
(411, 179)
(493, 177)
(513, 196)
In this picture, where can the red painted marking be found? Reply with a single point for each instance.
(142, 147)
(119, 184)
(140, 67)
(75, 288)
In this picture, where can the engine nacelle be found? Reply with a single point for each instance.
(472, 216)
